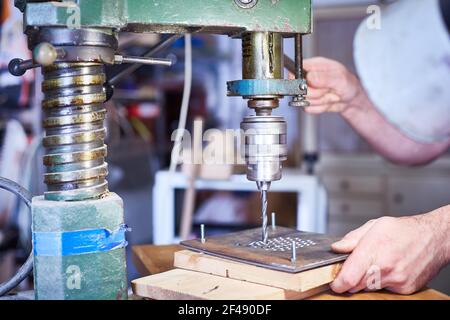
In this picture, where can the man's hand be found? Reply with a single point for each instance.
(405, 252)
(331, 87)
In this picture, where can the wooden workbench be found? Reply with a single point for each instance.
(151, 259)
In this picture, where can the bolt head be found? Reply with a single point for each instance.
(246, 4)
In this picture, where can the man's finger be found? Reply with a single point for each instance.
(360, 286)
(319, 64)
(370, 282)
(325, 79)
(318, 109)
(352, 272)
(366, 285)
(314, 93)
(328, 98)
(351, 239)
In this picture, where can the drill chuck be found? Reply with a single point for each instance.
(264, 147)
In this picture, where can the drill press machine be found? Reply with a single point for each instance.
(78, 231)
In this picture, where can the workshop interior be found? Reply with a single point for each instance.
(137, 131)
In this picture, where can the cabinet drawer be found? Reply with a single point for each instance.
(353, 184)
(355, 209)
(341, 228)
(414, 195)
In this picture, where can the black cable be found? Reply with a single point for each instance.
(27, 267)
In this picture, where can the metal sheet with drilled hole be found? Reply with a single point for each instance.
(313, 249)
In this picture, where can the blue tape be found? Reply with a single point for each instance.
(78, 242)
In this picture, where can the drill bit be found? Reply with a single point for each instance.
(263, 187)
(264, 215)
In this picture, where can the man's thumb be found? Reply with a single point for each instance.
(345, 245)
(351, 239)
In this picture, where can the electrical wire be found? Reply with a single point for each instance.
(27, 267)
(184, 103)
(23, 218)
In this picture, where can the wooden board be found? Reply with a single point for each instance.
(424, 294)
(301, 282)
(179, 284)
(161, 257)
(313, 249)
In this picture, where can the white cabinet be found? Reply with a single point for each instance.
(354, 209)
(364, 187)
(349, 210)
(365, 184)
(417, 194)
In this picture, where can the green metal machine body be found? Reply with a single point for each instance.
(176, 16)
(78, 226)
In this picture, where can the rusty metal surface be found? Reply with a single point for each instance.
(313, 249)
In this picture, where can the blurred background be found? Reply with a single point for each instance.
(355, 184)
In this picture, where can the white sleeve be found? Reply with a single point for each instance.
(405, 68)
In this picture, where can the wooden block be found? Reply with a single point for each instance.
(301, 282)
(150, 259)
(179, 284)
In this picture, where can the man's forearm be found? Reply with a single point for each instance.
(440, 219)
(385, 138)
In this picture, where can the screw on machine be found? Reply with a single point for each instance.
(294, 252)
(246, 4)
(202, 233)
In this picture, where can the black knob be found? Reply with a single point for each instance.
(15, 67)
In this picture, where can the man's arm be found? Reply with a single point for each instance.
(399, 254)
(332, 88)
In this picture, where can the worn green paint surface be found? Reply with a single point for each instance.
(99, 275)
(93, 276)
(215, 16)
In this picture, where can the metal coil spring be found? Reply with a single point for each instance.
(73, 121)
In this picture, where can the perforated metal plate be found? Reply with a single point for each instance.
(313, 249)
(282, 243)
